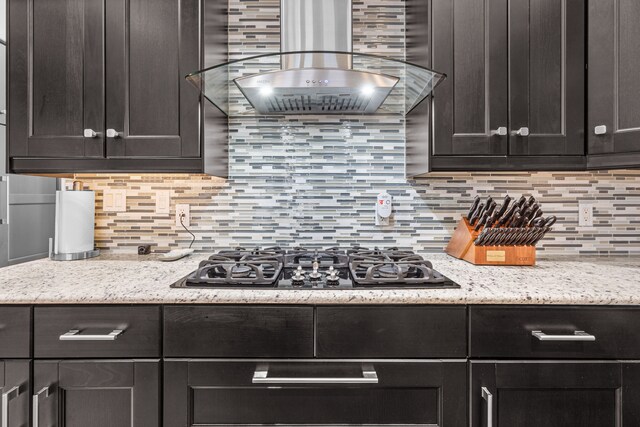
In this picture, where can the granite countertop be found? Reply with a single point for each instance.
(126, 279)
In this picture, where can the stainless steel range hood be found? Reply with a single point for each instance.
(316, 71)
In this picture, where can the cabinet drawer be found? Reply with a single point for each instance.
(15, 332)
(554, 332)
(69, 332)
(238, 331)
(318, 392)
(402, 331)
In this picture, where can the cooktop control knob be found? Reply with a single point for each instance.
(332, 279)
(315, 275)
(298, 278)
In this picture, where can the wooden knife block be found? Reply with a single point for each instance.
(461, 246)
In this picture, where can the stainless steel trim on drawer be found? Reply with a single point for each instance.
(74, 335)
(488, 397)
(261, 376)
(6, 397)
(577, 336)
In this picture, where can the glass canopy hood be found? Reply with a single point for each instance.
(315, 82)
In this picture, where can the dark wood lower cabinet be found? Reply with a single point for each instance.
(554, 394)
(16, 388)
(109, 393)
(302, 392)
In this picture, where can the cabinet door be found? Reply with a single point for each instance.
(553, 394)
(614, 61)
(121, 393)
(3, 83)
(56, 84)
(149, 103)
(546, 77)
(428, 393)
(14, 379)
(470, 45)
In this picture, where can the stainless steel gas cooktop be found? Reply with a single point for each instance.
(301, 268)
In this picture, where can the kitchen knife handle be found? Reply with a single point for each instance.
(577, 336)
(488, 397)
(36, 405)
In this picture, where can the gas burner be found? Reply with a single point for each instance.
(323, 258)
(240, 253)
(220, 270)
(408, 273)
(389, 270)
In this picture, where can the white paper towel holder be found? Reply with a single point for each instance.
(73, 256)
(74, 225)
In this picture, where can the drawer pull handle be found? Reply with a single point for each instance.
(488, 397)
(577, 336)
(6, 397)
(261, 376)
(36, 402)
(74, 335)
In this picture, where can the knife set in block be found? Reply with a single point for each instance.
(505, 234)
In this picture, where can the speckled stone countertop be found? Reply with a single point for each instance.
(126, 279)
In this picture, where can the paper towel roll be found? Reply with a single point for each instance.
(75, 212)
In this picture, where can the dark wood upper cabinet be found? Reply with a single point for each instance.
(149, 104)
(99, 86)
(56, 78)
(514, 98)
(613, 130)
(470, 45)
(546, 77)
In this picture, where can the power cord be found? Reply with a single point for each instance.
(188, 231)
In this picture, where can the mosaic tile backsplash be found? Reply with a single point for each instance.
(332, 203)
(313, 180)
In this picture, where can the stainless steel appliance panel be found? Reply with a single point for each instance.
(300, 30)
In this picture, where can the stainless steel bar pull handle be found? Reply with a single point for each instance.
(577, 336)
(74, 335)
(488, 397)
(501, 131)
(6, 397)
(44, 391)
(3, 112)
(261, 376)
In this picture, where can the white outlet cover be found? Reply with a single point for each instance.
(585, 215)
(163, 202)
(114, 200)
(183, 208)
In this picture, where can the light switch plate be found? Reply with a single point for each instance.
(163, 201)
(114, 200)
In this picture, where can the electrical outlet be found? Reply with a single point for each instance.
(183, 210)
(585, 215)
(162, 202)
(114, 200)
